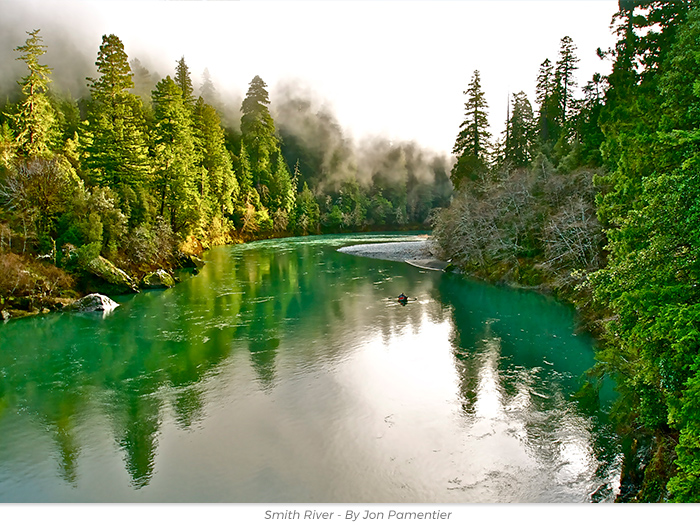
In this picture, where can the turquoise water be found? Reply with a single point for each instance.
(287, 372)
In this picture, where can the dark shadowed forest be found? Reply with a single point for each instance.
(595, 198)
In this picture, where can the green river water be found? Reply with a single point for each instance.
(287, 372)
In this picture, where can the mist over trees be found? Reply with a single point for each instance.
(593, 194)
(144, 169)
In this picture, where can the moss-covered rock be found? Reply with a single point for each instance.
(158, 279)
(115, 280)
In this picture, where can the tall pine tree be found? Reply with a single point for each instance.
(176, 163)
(183, 80)
(115, 137)
(268, 169)
(471, 145)
(35, 119)
(546, 93)
(218, 186)
(565, 80)
(520, 132)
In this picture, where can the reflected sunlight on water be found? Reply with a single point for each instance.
(287, 372)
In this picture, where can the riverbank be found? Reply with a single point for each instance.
(415, 253)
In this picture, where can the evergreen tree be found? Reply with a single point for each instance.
(546, 93)
(144, 82)
(248, 194)
(282, 187)
(269, 174)
(35, 118)
(564, 79)
(184, 82)
(587, 127)
(176, 159)
(307, 212)
(218, 185)
(471, 145)
(520, 131)
(651, 124)
(208, 92)
(115, 136)
(8, 145)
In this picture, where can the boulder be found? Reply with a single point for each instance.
(118, 280)
(5, 315)
(94, 303)
(158, 279)
(189, 260)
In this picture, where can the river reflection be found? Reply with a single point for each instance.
(287, 372)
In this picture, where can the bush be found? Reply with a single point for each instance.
(22, 277)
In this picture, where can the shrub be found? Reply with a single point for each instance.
(21, 277)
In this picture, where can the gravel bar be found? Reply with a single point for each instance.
(417, 253)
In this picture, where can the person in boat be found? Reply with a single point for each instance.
(403, 298)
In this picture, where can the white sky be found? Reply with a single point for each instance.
(393, 68)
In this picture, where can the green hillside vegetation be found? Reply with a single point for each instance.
(143, 174)
(597, 199)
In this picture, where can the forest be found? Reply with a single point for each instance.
(108, 191)
(596, 199)
(591, 193)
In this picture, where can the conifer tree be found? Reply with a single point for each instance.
(269, 174)
(115, 136)
(471, 145)
(565, 80)
(649, 208)
(218, 186)
(35, 118)
(307, 212)
(520, 131)
(207, 90)
(547, 100)
(248, 194)
(143, 81)
(282, 187)
(176, 159)
(184, 82)
(588, 132)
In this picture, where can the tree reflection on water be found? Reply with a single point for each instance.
(168, 358)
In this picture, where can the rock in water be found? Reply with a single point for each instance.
(117, 279)
(158, 279)
(94, 302)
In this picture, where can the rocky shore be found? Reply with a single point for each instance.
(416, 253)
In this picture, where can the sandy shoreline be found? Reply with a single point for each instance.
(417, 253)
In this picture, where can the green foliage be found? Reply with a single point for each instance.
(307, 214)
(520, 132)
(564, 80)
(35, 119)
(175, 158)
(547, 94)
(473, 137)
(114, 137)
(651, 123)
(144, 82)
(218, 187)
(184, 82)
(138, 168)
(259, 139)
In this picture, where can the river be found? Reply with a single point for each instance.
(286, 371)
